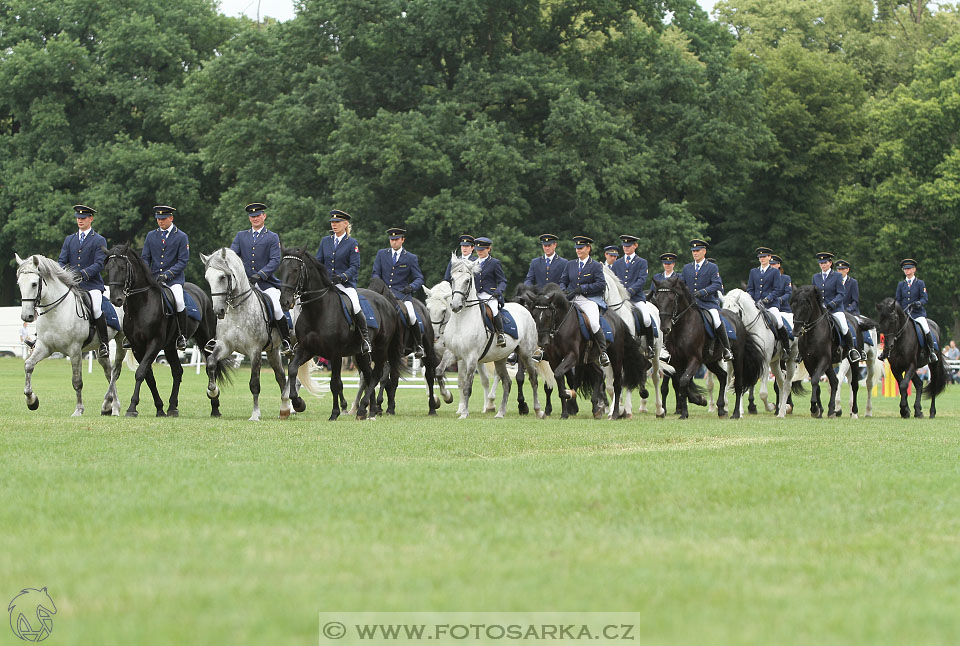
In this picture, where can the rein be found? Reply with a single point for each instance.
(127, 276)
(298, 291)
(554, 329)
(37, 305)
(233, 300)
(675, 317)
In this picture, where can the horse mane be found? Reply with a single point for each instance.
(553, 294)
(807, 292)
(226, 260)
(51, 270)
(616, 284)
(524, 293)
(307, 257)
(377, 285)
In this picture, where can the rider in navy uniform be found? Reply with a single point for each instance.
(912, 296)
(546, 268)
(466, 252)
(584, 284)
(83, 251)
(703, 281)
(340, 254)
(611, 253)
(166, 251)
(259, 249)
(669, 262)
(830, 286)
(491, 283)
(400, 270)
(632, 272)
(784, 289)
(851, 289)
(763, 286)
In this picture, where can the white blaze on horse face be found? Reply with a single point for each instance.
(29, 283)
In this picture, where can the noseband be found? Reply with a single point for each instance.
(127, 275)
(676, 317)
(233, 300)
(298, 291)
(38, 307)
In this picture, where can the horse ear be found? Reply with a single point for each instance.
(223, 252)
(18, 258)
(36, 261)
(204, 258)
(426, 290)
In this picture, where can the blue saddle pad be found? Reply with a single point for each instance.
(402, 311)
(604, 325)
(922, 339)
(708, 325)
(192, 310)
(867, 338)
(789, 329)
(289, 319)
(509, 325)
(110, 314)
(638, 322)
(365, 307)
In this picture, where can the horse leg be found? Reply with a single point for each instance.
(336, 387)
(76, 362)
(146, 360)
(173, 409)
(871, 376)
(617, 390)
(40, 352)
(255, 362)
(842, 373)
(370, 372)
(522, 407)
(219, 350)
(751, 404)
(489, 388)
(288, 384)
(780, 385)
(854, 390)
(917, 405)
(531, 368)
(834, 385)
(467, 369)
(501, 367)
(717, 369)
(903, 380)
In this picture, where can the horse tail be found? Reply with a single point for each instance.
(695, 390)
(546, 374)
(667, 369)
(224, 371)
(752, 366)
(867, 323)
(303, 376)
(797, 388)
(634, 365)
(938, 380)
(592, 376)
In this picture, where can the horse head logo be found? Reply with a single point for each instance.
(31, 614)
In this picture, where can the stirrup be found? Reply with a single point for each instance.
(126, 343)
(727, 354)
(501, 340)
(103, 352)
(418, 352)
(285, 348)
(537, 354)
(604, 359)
(181, 343)
(210, 345)
(853, 352)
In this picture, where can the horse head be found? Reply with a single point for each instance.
(614, 292)
(30, 284)
(525, 295)
(462, 272)
(739, 301)
(672, 298)
(124, 270)
(806, 304)
(301, 274)
(438, 306)
(224, 271)
(889, 317)
(549, 309)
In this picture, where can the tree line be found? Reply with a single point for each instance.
(796, 124)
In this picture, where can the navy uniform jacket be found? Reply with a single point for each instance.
(491, 278)
(633, 276)
(446, 274)
(703, 285)
(831, 292)
(397, 276)
(851, 296)
(784, 293)
(344, 259)
(764, 286)
(590, 280)
(916, 293)
(86, 259)
(168, 257)
(260, 258)
(539, 275)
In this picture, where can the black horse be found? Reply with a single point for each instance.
(685, 337)
(905, 355)
(574, 358)
(820, 347)
(526, 295)
(150, 329)
(430, 358)
(323, 330)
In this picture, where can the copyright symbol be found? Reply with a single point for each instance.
(334, 630)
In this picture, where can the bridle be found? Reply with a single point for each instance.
(442, 323)
(890, 339)
(128, 289)
(554, 328)
(298, 291)
(806, 327)
(37, 305)
(233, 300)
(466, 301)
(675, 317)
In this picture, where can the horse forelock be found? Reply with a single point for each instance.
(463, 265)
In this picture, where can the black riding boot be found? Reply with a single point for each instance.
(721, 333)
(284, 330)
(182, 324)
(852, 353)
(601, 342)
(931, 350)
(498, 326)
(887, 348)
(103, 352)
(417, 337)
(651, 342)
(784, 341)
(361, 321)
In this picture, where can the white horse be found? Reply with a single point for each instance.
(741, 302)
(618, 301)
(874, 369)
(469, 342)
(51, 298)
(243, 326)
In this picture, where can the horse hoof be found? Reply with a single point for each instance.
(106, 413)
(448, 398)
(284, 413)
(213, 394)
(770, 408)
(433, 411)
(498, 416)
(132, 413)
(35, 405)
(662, 415)
(854, 416)
(173, 412)
(298, 404)
(160, 413)
(721, 413)
(540, 414)
(918, 414)
(523, 408)
(464, 416)
(391, 411)
(644, 394)
(905, 414)
(215, 413)
(77, 413)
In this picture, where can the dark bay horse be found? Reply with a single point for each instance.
(430, 358)
(685, 337)
(820, 348)
(150, 330)
(574, 358)
(323, 330)
(906, 355)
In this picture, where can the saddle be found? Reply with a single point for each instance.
(604, 326)
(771, 323)
(708, 325)
(365, 307)
(402, 313)
(168, 303)
(509, 325)
(638, 320)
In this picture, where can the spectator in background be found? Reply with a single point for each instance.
(26, 341)
(952, 353)
(924, 373)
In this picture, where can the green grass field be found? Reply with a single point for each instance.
(200, 531)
